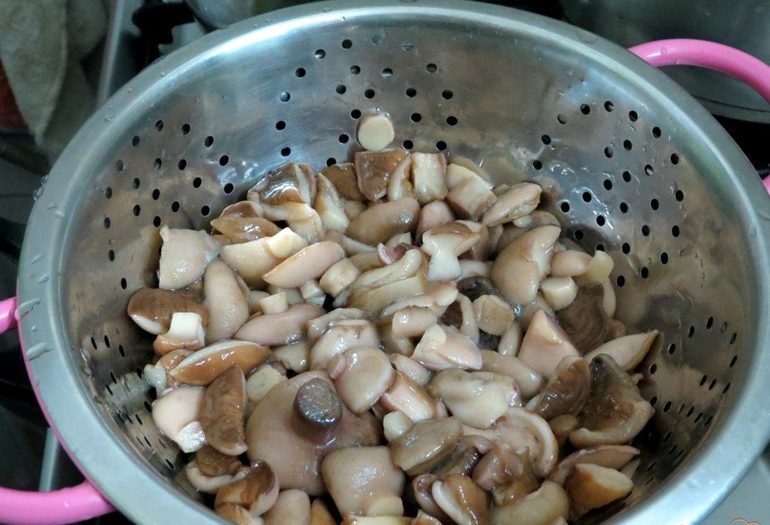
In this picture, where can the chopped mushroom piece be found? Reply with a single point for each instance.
(316, 327)
(382, 221)
(507, 474)
(185, 332)
(257, 491)
(274, 304)
(520, 200)
(261, 382)
(545, 345)
(444, 244)
(460, 315)
(412, 321)
(308, 263)
(433, 214)
(291, 508)
(319, 514)
(464, 457)
(359, 478)
(594, 486)
(426, 444)
(428, 174)
(255, 258)
(545, 506)
(330, 207)
(405, 267)
(584, 320)
(461, 499)
(152, 308)
(609, 456)
(338, 277)
(288, 183)
(414, 370)
(225, 301)
(222, 410)
(510, 341)
(563, 426)
(522, 265)
(279, 329)
(184, 257)
(493, 315)
(313, 293)
(343, 335)
(527, 380)
(410, 398)
(244, 229)
(395, 424)
(205, 365)
(374, 168)
(569, 263)
(470, 195)
(560, 292)
(343, 176)
(176, 415)
(211, 484)
(377, 299)
(375, 132)
(445, 347)
(294, 356)
(157, 375)
(364, 375)
(400, 184)
(627, 351)
(598, 269)
(475, 398)
(566, 392)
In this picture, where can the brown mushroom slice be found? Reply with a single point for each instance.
(508, 475)
(559, 292)
(445, 347)
(464, 457)
(527, 380)
(279, 329)
(184, 256)
(374, 169)
(406, 396)
(308, 263)
(584, 320)
(566, 392)
(288, 183)
(510, 341)
(475, 398)
(520, 200)
(594, 486)
(224, 300)
(461, 499)
(342, 336)
(444, 244)
(338, 277)
(255, 258)
(211, 462)
(413, 321)
(211, 484)
(343, 176)
(316, 327)
(382, 221)
(357, 478)
(522, 265)
(544, 345)
(319, 514)
(375, 300)
(279, 433)
(185, 332)
(433, 214)
(627, 351)
(294, 356)
(222, 410)
(365, 375)
(244, 229)
(469, 194)
(292, 507)
(615, 411)
(395, 425)
(152, 308)
(429, 176)
(608, 456)
(176, 415)
(257, 491)
(493, 315)
(330, 207)
(205, 365)
(261, 382)
(426, 444)
(545, 506)
(420, 491)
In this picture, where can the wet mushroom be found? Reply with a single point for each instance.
(279, 329)
(444, 244)
(343, 176)
(508, 475)
(560, 292)
(375, 132)
(527, 380)
(152, 308)
(609, 456)
(375, 300)
(411, 368)
(395, 424)
(176, 415)
(222, 410)
(406, 266)
(361, 376)
(185, 332)
(445, 347)
(425, 444)
(308, 263)
(570, 263)
(594, 486)
(493, 315)
(211, 484)
(318, 326)
(545, 506)
(464, 457)
(520, 200)
(239, 229)
(469, 194)
(627, 351)
(257, 491)
(412, 321)
(433, 214)
(461, 499)
(330, 206)
(157, 375)
(261, 382)
(406, 396)
(291, 508)
(584, 320)
(382, 221)
(319, 514)
(461, 316)
(400, 184)
(562, 426)
(225, 301)
(545, 345)
(211, 462)
(313, 293)
(251, 260)
(289, 182)
(338, 277)
(274, 304)
(374, 169)
(566, 392)
(294, 356)
(205, 365)
(429, 176)
(510, 341)
(342, 336)
(184, 257)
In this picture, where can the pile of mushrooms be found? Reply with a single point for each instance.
(393, 341)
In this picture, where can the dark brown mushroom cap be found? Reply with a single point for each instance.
(343, 177)
(222, 410)
(567, 390)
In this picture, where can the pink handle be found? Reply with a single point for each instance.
(689, 52)
(19, 507)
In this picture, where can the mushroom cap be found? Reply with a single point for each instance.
(382, 221)
(454, 237)
(152, 308)
(545, 345)
(225, 301)
(176, 415)
(222, 410)
(205, 365)
(567, 390)
(184, 256)
(366, 375)
(584, 320)
(288, 183)
(308, 263)
(520, 200)
(426, 444)
(280, 329)
(445, 347)
(271, 435)
(374, 168)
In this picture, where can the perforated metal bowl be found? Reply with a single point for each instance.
(631, 164)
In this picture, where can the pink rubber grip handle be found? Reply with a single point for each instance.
(20, 507)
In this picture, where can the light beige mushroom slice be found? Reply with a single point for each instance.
(425, 444)
(429, 176)
(627, 351)
(176, 415)
(457, 173)
(462, 500)
(288, 429)
(357, 478)
(224, 300)
(184, 257)
(563, 426)
(410, 398)
(222, 411)
(493, 315)
(338, 277)
(598, 269)
(330, 206)
(594, 486)
(421, 486)
(316, 327)
(445, 347)
(152, 308)
(544, 345)
(374, 169)
(394, 345)
(293, 295)
(400, 183)
(566, 392)
(253, 298)
(413, 321)
(274, 304)
(343, 176)
(527, 380)
(354, 208)
(382, 221)
(560, 292)
(608, 456)
(395, 424)
(444, 244)
(255, 258)
(291, 508)
(308, 263)
(205, 365)
(294, 357)
(185, 332)
(475, 398)
(257, 491)
(570, 263)
(471, 196)
(433, 214)
(364, 375)
(535, 219)
(470, 268)
(438, 298)
(313, 293)
(520, 200)
(375, 300)
(510, 341)
(211, 484)
(261, 382)
(319, 513)
(243, 229)
(310, 228)
(375, 132)
(543, 507)
(366, 261)
(615, 411)
(279, 329)
(405, 267)
(522, 265)
(342, 336)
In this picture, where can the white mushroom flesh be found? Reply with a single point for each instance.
(184, 256)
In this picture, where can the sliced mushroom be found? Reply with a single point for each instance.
(405, 267)
(261, 382)
(535, 219)
(274, 304)
(425, 444)
(313, 293)
(382, 221)
(205, 365)
(545, 345)
(294, 356)
(222, 410)
(461, 499)
(330, 207)
(425, 519)
(316, 327)
(569, 263)
(584, 320)
(439, 297)
(157, 375)
(211, 462)
(413, 321)
(375, 300)
(473, 269)
(255, 258)
(343, 335)
(374, 168)
(225, 301)
(253, 298)
(609, 456)
(493, 315)
(358, 479)
(338, 277)
(242, 209)
(343, 176)
(279, 329)
(560, 292)
(411, 368)
(475, 398)
(375, 132)
(406, 396)
(598, 269)
(308, 263)
(627, 351)
(211, 484)
(429, 176)
(464, 457)
(444, 244)
(594, 486)
(293, 295)
(527, 380)
(291, 508)
(545, 506)
(445, 347)
(469, 195)
(288, 183)
(185, 332)
(508, 475)
(522, 265)
(566, 392)
(364, 375)
(244, 229)
(152, 308)
(278, 432)
(257, 491)
(433, 214)
(520, 200)
(510, 341)
(176, 415)
(366, 261)
(184, 257)
(395, 424)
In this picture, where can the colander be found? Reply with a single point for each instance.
(631, 164)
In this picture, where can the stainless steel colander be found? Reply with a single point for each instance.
(631, 164)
